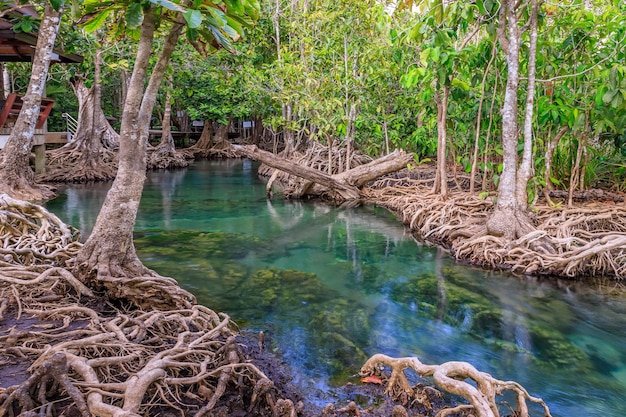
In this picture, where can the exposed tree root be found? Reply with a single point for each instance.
(115, 359)
(73, 163)
(166, 157)
(452, 377)
(588, 240)
(222, 149)
(31, 235)
(24, 187)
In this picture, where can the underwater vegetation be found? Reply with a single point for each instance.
(449, 297)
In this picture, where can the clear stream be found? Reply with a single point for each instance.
(330, 286)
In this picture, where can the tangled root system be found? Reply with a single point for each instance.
(94, 354)
(587, 240)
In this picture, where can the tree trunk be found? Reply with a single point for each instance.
(165, 155)
(350, 135)
(502, 222)
(344, 191)
(525, 169)
(88, 156)
(109, 251)
(288, 136)
(441, 176)
(16, 176)
(4, 82)
(206, 138)
(345, 185)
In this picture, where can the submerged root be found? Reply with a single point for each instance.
(452, 377)
(88, 356)
(586, 240)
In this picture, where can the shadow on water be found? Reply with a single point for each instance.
(330, 287)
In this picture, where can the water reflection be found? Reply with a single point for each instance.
(330, 287)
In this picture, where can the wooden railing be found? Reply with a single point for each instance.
(13, 105)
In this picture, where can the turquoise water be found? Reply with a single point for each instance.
(329, 287)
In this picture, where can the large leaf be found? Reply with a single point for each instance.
(235, 6)
(218, 15)
(134, 15)
(193, 18)
(98, 19)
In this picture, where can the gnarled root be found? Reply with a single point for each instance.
(451, 377)
(74, 162)
(34, 236)
(122, 359)
(583, 241)
(166, 157)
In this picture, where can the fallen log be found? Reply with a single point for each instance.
(345, 191)
(344, 186)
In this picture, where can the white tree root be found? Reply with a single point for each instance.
(122, 359)
(452, 377)
(589, 240)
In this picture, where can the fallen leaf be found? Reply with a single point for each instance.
(372, 379)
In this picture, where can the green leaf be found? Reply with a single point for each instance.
(481, 6)
(95, 23)
(461, 84)
(424, 55)
(218, 15)
(168, 5)
(608, 96)
(134, 15)
(193, 18)
(56, 4)
(436, 52)
(235, 6)
(483, 195)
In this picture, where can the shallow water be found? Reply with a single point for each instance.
(329, 287)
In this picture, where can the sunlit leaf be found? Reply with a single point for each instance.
(168, 5)
(193, 18)
(97, 21)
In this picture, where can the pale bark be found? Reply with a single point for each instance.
(288, 134)
(480, 391)
(350, 134)
(441, 177)
(346, 192)
(109, 251)
(165, 155)
(525, 169)
(346, 184)
(16, 176)
(501, 222)
(89, 155)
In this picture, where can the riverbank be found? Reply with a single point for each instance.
(295, 221)
(586, 240)
(74, 348)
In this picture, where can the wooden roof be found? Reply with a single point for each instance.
(20, 46)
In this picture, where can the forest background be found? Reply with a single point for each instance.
(353, 74)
